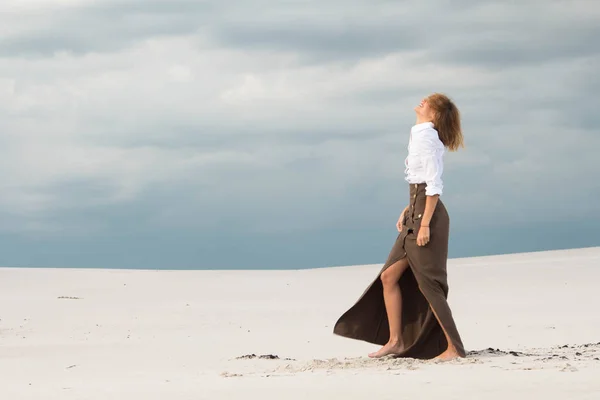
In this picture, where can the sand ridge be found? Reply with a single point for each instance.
(566, 358)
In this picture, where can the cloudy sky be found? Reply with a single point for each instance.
(272, 134)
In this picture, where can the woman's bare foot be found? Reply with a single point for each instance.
(391, 348)
(448, 355)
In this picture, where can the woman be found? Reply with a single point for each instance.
(405, 308)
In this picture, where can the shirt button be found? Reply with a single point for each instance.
(419, 216)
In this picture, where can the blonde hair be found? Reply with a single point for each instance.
(446, 121)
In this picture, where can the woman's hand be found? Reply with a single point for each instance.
(423, 236)
(399, 223)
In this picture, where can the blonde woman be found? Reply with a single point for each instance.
(405, 309)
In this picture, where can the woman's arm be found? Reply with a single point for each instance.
(430, 203)
(434, 168)
(424, 233)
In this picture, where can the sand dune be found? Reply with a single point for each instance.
(531, 324)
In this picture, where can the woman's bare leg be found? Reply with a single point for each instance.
(393, 304)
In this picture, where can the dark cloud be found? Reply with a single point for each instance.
(491, 34)
(320, 42)
(104, 26)
(532, 44)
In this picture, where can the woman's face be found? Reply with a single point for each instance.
(424, 111)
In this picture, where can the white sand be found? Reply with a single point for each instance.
(176, 334)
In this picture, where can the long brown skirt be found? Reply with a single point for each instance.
(423, 286)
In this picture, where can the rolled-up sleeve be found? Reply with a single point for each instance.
(431, 158)
(433, 174)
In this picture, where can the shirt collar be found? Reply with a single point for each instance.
(421, 127)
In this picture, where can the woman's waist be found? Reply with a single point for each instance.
(417, 205)
(418, 197)
(417, 188)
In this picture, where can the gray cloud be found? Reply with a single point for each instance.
(249, 118)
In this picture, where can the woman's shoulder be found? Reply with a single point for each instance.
(430, 139)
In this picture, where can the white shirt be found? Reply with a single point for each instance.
(424, 163)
